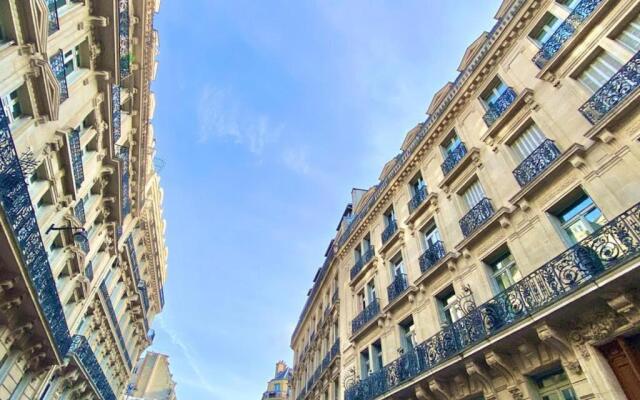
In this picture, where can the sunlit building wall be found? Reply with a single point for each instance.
(82, 252)
(279, 387)
(152, 379)
(497, 257)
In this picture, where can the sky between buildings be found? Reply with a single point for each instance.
(268, 113)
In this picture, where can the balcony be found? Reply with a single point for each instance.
(431, 256)
(397, 287)
(114, 322)
(453, 158)
(54, 22)
(16, 205)
(621, 85)
(123, 33)
(81, 352)
(610, 246)
(57, 65)
(538, 161)
(88, 271)
(496, 109)
(389, 231)
(116, 113)
(476, 217)
(126, 200)
(76, 158)
(417, 199)
(362, 262)
(78, 211)
(335, 349)
(367, 315)
(565, 31)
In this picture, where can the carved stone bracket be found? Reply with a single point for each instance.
(596, 327)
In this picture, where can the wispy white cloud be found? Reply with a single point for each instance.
(221, 116)
(297, 159)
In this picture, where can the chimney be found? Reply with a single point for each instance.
(280, 367)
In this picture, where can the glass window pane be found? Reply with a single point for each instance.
(630, 37)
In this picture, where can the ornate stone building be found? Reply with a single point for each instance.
(82, 252)
(498, 256)
(152, 379)
(279, 387)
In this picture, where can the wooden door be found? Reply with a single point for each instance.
(623, 355)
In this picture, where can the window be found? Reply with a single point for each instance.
(389, 217)
(362, 300)
(277, 387)
(376, 353)
(493, 92)
(12, 106)
(366, 243)
(529, 140)
(430, 236)
(397, 266)
(357, 253)
(554, 386)
(72, 60)
(545, 29)
(600, 71)
(580, 219)
(417, 184)
(630, 36)
(407, 334)
(473, 194)
(365, 363)
(504, 270)
(371, 292)
(449, 309)
(449, 145)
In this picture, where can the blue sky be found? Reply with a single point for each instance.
(268, 113)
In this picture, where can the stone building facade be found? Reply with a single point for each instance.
(498, 255)
(82, 252)
(152, 379)
(279, 387)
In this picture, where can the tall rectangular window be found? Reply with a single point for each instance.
(600, 71)
(448, 306)
(529, 140)
(417, 184)
(545, 29)
(407, 334)
(449, 145)
(371, 292)
(473, 195)
(365, 363)
(570, 4)
(376, 356)
(430, 236)
(504, 270)
(389, 216)
(554, 386)
(580, 218)
(397, 266)
(12, 106)
(493, 92)
(630, 36)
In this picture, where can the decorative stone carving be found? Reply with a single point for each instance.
(556, 341)
(516, 393)
(598, 326)
(626, 305)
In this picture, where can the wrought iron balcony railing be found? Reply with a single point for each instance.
(81, 351)
(476, 217)
(326, 361)
(431, 256)
(417, 199)
(57, 65)
(498, 107)
(453, 158)
(366, 315)
(123, 29)
(389, 231)
(78, 211)
(565, 31)
(361, 262)
(17, 207)
(335, 348)
(536, 162)
(397, 287)
(619, 87)
(88, 271)
(54, 22)
(135, 266)
(76, 157)
(126, 200)
(114, 322)
(116, 113)
(610, 246)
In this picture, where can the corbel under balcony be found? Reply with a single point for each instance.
(522, 98)
(429, 203)
(471, 157)
(553, 170)
(37, 24)
(48, 97)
